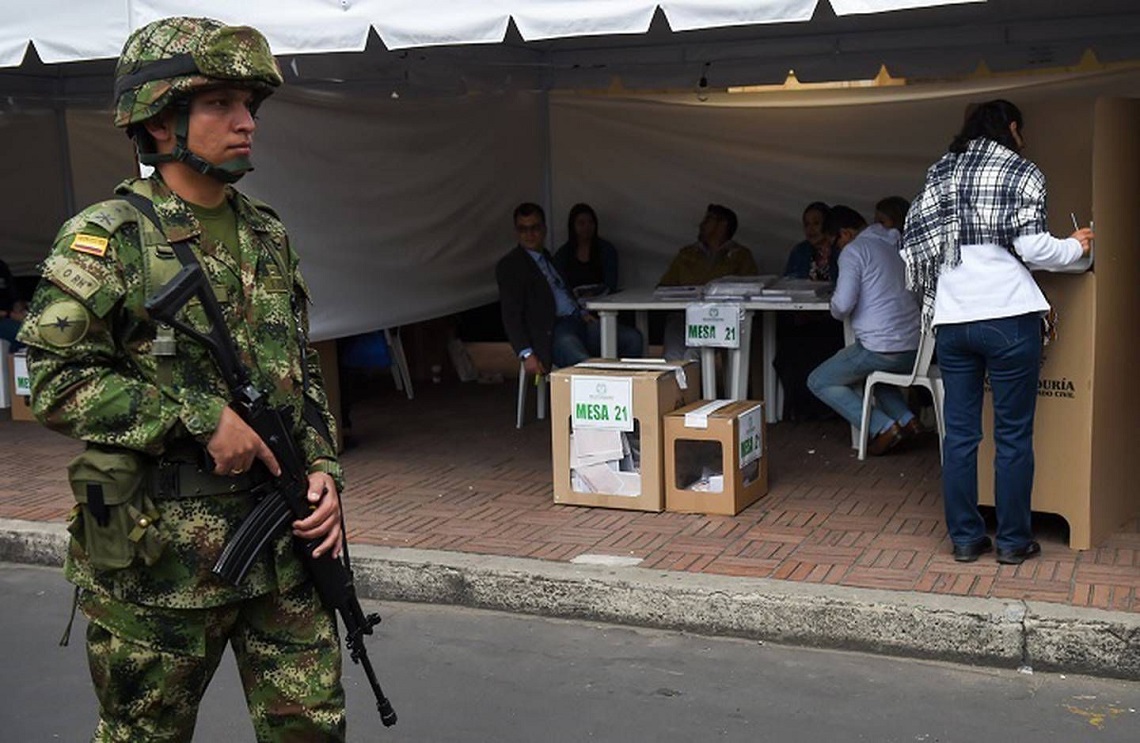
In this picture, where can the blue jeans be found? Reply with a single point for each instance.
(576, 340)
(1009, 348)
(839, 383)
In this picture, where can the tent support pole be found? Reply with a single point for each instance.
(547, 168)
(64, 148)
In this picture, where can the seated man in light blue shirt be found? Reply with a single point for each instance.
(871, 291)
(544, 323)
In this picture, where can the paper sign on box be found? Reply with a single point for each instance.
(601, 402)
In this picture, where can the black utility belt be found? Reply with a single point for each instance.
(173, 480)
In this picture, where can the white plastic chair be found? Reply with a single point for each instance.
(540, 388)
(5, 376)
(399, 361)
(924, 374)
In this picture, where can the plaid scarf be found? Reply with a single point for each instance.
(987, 195)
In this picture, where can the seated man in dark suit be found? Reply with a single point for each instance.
(544, 322)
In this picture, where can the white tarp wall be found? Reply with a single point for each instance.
(54, 163)
(32, 191)
(651, 166)
(400, 208)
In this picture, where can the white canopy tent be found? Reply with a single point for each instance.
(66, 31)
(401, 205)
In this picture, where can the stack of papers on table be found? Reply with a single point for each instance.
(737, 287)
(601, 461)
(588, 291)
(802, 290)
(677, 292)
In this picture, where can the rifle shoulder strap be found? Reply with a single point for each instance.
(160, 269)
(311, 412)
(159, 259)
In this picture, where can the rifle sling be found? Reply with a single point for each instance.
(310, 411)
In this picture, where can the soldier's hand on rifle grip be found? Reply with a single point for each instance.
(234, 446)
(324, 522)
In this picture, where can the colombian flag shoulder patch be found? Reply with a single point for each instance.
(89, 244)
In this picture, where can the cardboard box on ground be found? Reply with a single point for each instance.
(716, 457)
(21, 388)
(606, 430)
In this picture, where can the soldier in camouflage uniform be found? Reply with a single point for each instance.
(151, 518)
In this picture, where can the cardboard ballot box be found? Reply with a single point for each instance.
(21, 387)
(606, 429)
(716, 457)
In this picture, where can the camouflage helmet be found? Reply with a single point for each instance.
(173, 57)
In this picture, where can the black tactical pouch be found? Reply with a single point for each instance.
(115, 519)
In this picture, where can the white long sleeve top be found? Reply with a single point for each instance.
(990, 283)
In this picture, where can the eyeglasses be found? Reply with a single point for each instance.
(528, 228)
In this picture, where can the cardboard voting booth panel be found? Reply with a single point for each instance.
(606, 428)
(716, 457)
(1088, 409)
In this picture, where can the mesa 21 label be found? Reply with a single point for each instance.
(601, 402)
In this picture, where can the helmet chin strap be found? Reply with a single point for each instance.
(230, 171)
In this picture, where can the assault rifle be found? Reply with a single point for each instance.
(284, 497)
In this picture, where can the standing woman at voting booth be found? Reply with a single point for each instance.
(971, 238)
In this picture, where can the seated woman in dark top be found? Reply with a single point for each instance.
(804, 340)
(813, 258)
(585, 259)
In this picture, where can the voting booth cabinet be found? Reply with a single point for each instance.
(606, 430)
(1088, 405)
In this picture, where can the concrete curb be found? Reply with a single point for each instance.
(979, 631)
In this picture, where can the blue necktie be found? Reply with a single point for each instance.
(564, 301)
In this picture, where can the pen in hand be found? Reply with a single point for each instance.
(1085, 246)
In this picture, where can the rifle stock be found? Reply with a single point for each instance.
(284, 497)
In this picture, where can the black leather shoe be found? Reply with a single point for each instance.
(1019, 555)
(971, 552)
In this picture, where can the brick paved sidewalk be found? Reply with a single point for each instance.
(448, 471)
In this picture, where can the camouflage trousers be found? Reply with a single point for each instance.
(151, 666)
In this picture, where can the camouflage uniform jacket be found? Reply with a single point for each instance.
(94, 377)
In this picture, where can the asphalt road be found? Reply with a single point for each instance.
(463, 675)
